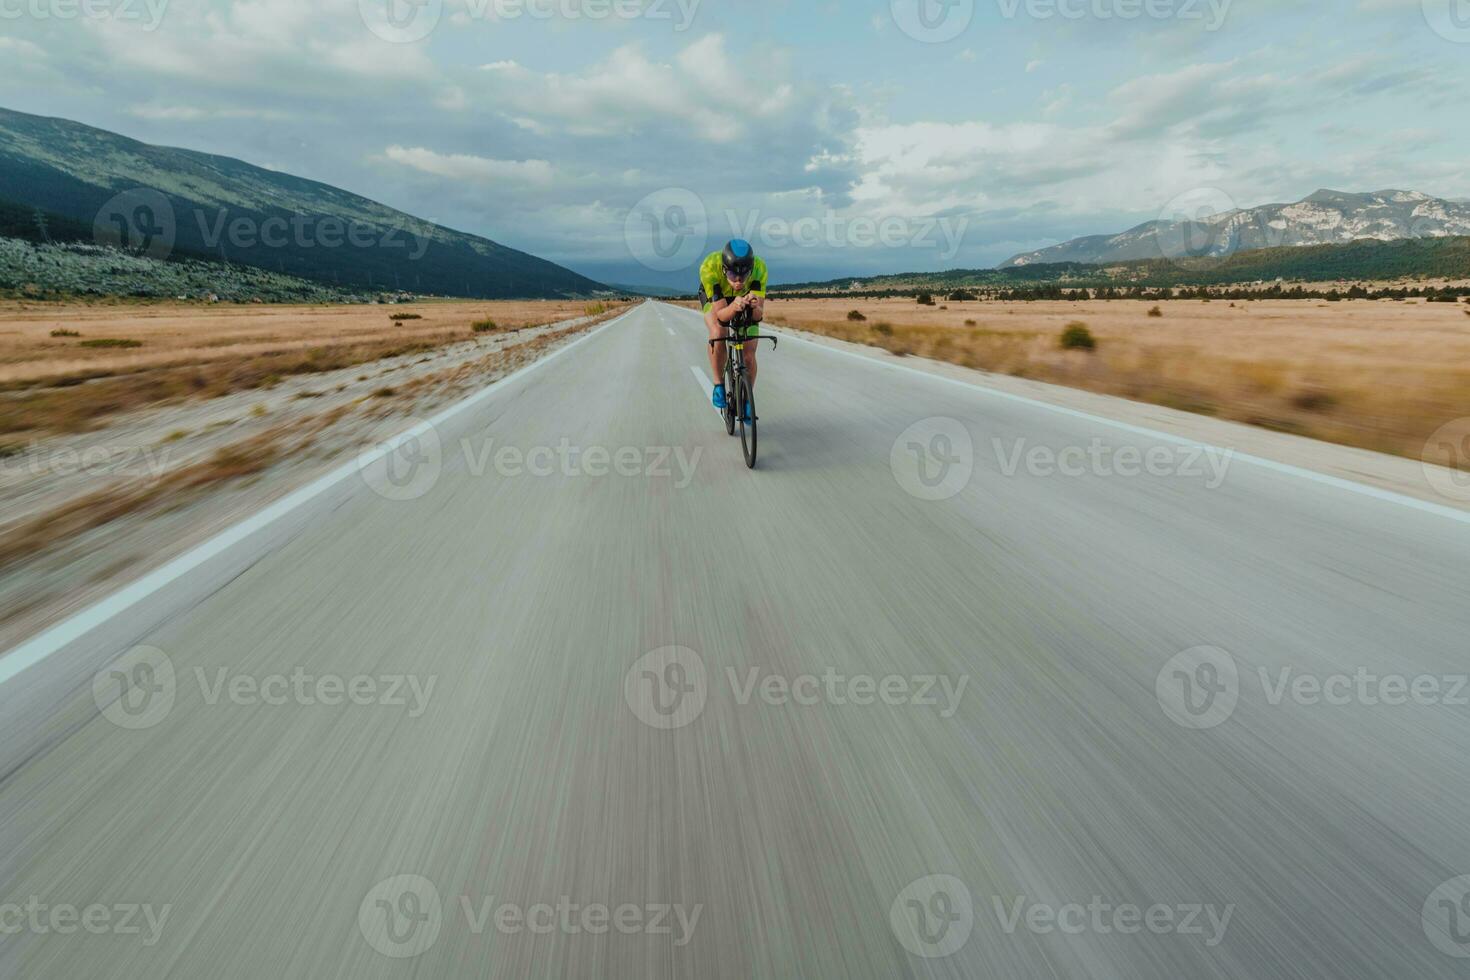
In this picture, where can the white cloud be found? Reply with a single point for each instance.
(186, 113)
(461, 166)
(629, 88)
(14, 47)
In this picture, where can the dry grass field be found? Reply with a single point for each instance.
(68, 367)
(1375, 374)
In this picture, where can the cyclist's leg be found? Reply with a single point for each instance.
(751, 330)
(716, 331)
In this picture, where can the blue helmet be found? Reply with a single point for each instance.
(739, 258)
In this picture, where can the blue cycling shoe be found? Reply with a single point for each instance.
(719, 397)
(747, 413)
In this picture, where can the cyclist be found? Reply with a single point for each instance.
(732, 289)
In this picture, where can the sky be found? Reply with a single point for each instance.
(627, 138)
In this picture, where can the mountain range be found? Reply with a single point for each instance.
(162, 201)
(1325, 218)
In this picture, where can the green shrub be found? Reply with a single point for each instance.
(961, 296)
(112, 342)
(596, 309)
(925, 299)
(1155, 312)
(400, 317)
(855, 316)
(486, 325)
(65, 333)
(1076, 336)
(970, 323)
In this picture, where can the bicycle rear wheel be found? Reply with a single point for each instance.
(747, 429)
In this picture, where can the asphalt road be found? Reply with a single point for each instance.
(934, 707)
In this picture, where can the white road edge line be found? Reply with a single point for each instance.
(704, 386)
(39, 647)
(1325, 479)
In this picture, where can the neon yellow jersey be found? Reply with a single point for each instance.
(713, 285)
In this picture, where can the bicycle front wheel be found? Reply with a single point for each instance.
(730, 400)
(746, 410)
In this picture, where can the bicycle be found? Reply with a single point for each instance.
(739, 398)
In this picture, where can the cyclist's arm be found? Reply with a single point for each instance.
(725, 311)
